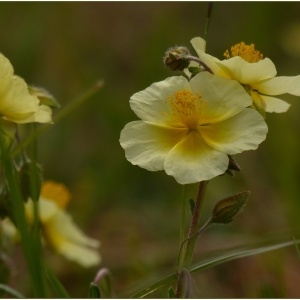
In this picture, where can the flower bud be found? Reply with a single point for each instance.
(175, 58)
(226, 209)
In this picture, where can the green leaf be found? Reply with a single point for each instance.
(94, 291)
(10, 291)
(221, 257)
(57, 286)
(171, 293)
(30, 244)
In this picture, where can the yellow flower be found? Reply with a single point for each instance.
(255, 73)
(16, 103)
(188, 128)
(58, 228)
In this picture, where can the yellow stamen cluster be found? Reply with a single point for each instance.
(246, 52)
(56, 192)
(187, 107)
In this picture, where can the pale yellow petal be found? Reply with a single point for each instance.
(16, 103)
(279, 85)
(192, 160)
(69, 240)
(199, 44)
(47, 210)
(6, 73)
(245, 131)
(208, 60)
(152, 104)
(248, 73)
(8, 229)
(275, 105)
(147, 145)
(222, 97)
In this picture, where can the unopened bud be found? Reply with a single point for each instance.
(233, 165)
(175, 58)
(226, 209)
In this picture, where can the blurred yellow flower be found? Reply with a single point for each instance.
(58, 228)
(188, 128)
(16, 103)
(255, 73)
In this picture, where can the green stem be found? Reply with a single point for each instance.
(63, 113)
(30, 249)
(200, 62)
(208, 18)
(194, 228)
(183, 213)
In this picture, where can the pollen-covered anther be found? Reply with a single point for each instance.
(246, 52)
(187, 107)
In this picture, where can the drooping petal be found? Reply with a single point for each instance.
(275, 105)
(68, 239)
(147, 145)
(223, 98)
(279, 85)
(244, 131)
(152, 104)
(248, 73)
(192, 160)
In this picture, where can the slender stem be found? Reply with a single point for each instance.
(208, 18)
(183, 214)
(200, 62)
(200, 231)
(30, 251)
(63, 113)
(194, 227)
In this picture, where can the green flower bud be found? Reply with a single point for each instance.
(226, 209)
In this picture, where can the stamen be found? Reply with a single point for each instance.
(246, 52)
(56, 192)
(187, 107)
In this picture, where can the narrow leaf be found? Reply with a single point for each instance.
(94, 291)
(225, 256)
(10, 291)
(57, 286)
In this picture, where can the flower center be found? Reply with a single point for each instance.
(187, 107)
(246, 52)
(56, 193)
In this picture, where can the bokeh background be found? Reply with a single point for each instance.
(66, 47)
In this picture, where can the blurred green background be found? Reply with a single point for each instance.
(66, 47)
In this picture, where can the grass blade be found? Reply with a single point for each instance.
(57, 286)
(10, 291)
(222, 257)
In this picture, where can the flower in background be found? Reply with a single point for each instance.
(58, 228)
(255, 73)
(188, 128)
(17, 105)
